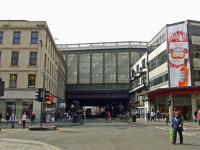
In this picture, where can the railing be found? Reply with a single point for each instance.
(102, 45)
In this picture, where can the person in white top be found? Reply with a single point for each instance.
(152, 116)
(24, 117)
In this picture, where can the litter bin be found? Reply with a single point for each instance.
(133, 118)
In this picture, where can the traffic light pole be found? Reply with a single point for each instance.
(42, 102)
(171, 107)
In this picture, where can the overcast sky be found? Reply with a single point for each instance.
(83, 21)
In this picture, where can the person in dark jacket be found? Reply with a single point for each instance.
(148, 116)
(177, 125)
(1, 116)
(7, 118)
(32, 118)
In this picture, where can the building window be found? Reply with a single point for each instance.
(158, 60)
(15, 57)
(123, 67)
(45, 59)
(195, 47)
(157, 42)
(1, 37)
(159, 80)
(33, 59)
(195, 30)
(13, 81)
(137, 68)
(16, 37)
(84, 68)
(197, 75)
(34, 37)
(97, 67)
(110, 67)
(72, 61)
(31, 80)
(143, 63)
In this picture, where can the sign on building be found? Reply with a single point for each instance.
(179, 62)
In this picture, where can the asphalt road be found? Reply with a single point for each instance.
(98, 135)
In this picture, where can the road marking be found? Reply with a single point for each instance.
(188, 134)
(184, 133)
(46, 146)
(162, 128)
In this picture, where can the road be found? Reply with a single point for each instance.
(98, 135)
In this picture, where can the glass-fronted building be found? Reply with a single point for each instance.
(100, 70)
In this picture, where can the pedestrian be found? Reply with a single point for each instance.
(24, 118)
(1, 116)
(52, 119)
(12, 120)
(109, 116)
(7, 118)
(195, 115)
(32, 118)
(167, 118)
(177, 125)
(198, 117)
(152, 116)
(158, 115)
(148, 116)
(48, 118)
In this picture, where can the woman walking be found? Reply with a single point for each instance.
(177, 125)
(24, 117)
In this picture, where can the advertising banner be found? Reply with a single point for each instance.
(179, 62)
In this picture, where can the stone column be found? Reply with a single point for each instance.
(194, 102)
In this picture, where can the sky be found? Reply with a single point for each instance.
(86, 21)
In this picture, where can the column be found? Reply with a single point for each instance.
(194, 102)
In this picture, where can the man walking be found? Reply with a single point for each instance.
(177, 125)
(12, 120)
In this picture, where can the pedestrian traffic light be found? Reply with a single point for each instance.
(46, 95)
(169, 102)
(39, 95)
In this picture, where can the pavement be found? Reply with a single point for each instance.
(17, 144)
(3, 125)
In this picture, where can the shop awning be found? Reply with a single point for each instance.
(171, 91)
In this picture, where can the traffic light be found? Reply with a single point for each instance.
(46, 95)
(169, 102)
(2, 85)
(50, 99)
(39, 95)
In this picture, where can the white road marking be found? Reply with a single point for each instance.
(184, 133)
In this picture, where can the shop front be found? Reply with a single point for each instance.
(16, 106)
(183, 99)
